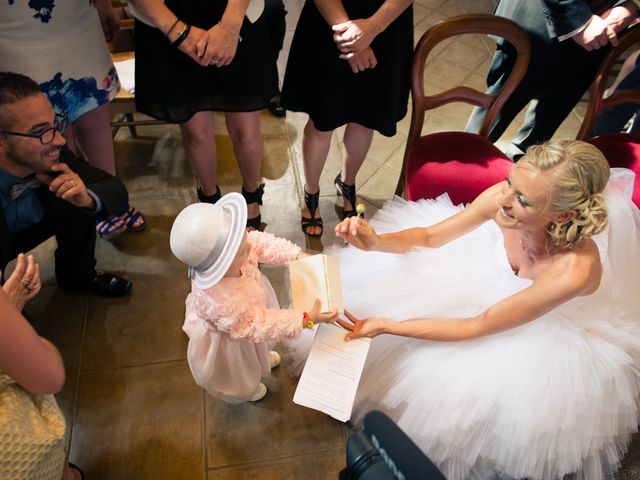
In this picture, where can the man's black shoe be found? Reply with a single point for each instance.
(104, 284)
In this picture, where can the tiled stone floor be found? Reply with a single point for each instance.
(132, 407)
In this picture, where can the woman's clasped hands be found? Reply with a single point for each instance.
(217, 46)
(353, 39)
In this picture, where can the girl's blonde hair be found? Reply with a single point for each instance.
(577, 174)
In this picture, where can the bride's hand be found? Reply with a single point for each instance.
(358, 232)
(368, 327)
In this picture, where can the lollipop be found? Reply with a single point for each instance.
(360, 208)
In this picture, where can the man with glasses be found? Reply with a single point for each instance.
(45, 190)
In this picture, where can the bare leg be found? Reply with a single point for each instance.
(246, 136)
(357, 140)
(315, 148)
(91, 138)
(198, 139)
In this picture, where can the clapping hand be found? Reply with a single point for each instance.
(68, 186)
(24, 282)
(368, 327)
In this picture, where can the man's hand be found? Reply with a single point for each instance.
(68, 186)
(597, 34)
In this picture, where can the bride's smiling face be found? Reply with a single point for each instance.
(524, 203)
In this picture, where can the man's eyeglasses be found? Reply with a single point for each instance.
(45, 136)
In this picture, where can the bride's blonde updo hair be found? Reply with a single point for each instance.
(576, 173)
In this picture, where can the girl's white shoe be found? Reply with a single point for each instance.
(274, 359)
(259, 394)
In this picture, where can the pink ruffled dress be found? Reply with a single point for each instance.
(231, 324)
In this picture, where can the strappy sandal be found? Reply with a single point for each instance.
(348, 192)
(311, 200)
(110, 227)
(209, 198)
(131, 217)
(254, 197)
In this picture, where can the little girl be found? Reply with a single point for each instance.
(232, 311)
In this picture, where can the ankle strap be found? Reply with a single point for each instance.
(346, 190)
(254, 197)
(209, 198)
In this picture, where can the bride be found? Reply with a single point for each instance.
(524, 331)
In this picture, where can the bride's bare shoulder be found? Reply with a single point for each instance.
(580, 267)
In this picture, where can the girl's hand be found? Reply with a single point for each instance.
(368, 327)
(217, 46)
(317, 316)
(361, 61)
(358, 232)
(24, 282)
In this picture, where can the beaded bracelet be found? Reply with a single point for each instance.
(183, 35)
(308, 322)
(173, 25)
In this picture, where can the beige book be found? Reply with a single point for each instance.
(316, 276)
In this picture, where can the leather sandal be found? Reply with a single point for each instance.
(209, 198)
(111, 227)
(133, 216)
(254, 197)
(348, 192)
(311, 200)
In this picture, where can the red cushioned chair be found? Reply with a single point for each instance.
(621, 149)
(462, 164)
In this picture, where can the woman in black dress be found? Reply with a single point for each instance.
(349, 64)
(194, 57)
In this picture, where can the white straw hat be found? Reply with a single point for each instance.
(206, 237)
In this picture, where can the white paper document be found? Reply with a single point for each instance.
(331, 375)
(127, 74)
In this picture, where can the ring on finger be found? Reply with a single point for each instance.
(25, 283)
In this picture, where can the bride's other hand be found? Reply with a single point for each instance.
(368, 327)
(358, 232)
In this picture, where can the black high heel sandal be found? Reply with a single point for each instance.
(311, 200)
(254, 197)
(209, 198)
(348, 192)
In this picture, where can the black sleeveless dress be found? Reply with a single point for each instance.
(319, 83)
(171, 86)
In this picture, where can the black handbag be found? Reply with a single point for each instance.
(381, 451)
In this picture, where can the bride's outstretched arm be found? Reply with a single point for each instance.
(361, 234)
(556, 286)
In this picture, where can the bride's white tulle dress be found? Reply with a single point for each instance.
(554, 396)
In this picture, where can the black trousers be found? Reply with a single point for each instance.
(555, 81)
(75, 233)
